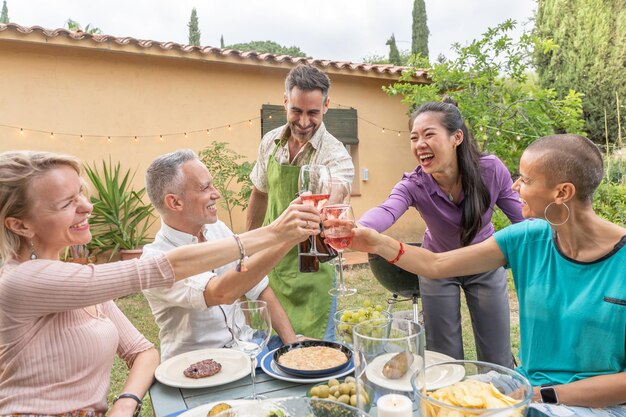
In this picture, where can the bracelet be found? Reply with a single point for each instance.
(242, 255)
(400, 253)
(134, 397)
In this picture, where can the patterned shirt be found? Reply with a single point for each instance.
(327, 150)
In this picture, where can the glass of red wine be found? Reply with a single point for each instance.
(338, 225)
(314, 187)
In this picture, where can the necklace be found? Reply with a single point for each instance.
(447, 193)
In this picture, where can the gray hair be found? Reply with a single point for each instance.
(307, 78)
(164, 176)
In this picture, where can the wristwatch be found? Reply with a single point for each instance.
(548, 394)
(134, 397)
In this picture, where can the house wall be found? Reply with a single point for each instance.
(98, 93)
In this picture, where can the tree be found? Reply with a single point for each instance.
(4, 16)
(74, 26)
(269, 47)
(502, 105)
(194, 30)
(419, 41)
(222, 41)
(394, 54)
(587, 54)
(223, 164)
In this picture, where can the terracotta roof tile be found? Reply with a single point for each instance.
(208, 50)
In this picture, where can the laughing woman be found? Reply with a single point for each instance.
(59, 329)
(569, 270)
(455, 190)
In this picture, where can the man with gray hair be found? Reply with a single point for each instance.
(195, 313)
(303, 140)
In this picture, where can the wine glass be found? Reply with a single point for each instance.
(338, 225)
(314, 188)
(251, 328)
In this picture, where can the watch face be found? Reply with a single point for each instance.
(548, 395)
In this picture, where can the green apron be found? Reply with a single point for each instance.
(304, 296)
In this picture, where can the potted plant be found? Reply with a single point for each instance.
(78, 254)
(120, 220)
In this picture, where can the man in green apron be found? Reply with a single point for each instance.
(303, 140)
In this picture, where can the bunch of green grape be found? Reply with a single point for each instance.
(346, 319)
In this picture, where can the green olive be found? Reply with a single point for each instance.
(315, 392)
(344, 399)
(332, 381)
(324, 391)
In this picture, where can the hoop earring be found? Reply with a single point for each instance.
(33, 254)
(545, 215)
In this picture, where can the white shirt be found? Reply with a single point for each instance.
(184, 320)
(327, 150)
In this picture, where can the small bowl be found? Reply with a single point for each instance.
(318, 373)
(368, 391)
(343, 329)
(293, 407)
(443, 375)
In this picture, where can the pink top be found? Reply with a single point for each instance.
(54, 356)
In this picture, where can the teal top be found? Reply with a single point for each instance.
(572, 314)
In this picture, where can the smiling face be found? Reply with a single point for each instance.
(199, 196)
(305, 112)
(59, 212)
(532, 187)
(432, 145)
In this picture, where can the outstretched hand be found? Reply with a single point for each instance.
(297, 222)
(365, 239)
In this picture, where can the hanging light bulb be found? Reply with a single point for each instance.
(51, 135)
(269, 117)
(161, 138)
(136, 140)
(398, 133)
(21, 131)
(230, 128)
(250, 122)
(208, 131)
(186, 135)
(383, 130)
(109, 139)
(81, 137)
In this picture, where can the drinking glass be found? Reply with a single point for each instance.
(314, 189)
(387, 352)
(252, 328)
(338, 225)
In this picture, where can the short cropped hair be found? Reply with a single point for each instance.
(570, 158)
(18, 170)
(164, 176)
(307, 78)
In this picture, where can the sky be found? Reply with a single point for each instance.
(339, 30)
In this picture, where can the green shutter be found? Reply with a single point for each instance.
(341, 123)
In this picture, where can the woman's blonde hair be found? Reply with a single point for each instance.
(18, 169)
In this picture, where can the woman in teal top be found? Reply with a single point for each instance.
(570, 275)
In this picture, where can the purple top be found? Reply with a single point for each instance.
(443, 217)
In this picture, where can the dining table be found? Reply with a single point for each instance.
(167, 400)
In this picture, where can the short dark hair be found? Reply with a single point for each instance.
(570, 158)
(307, 78)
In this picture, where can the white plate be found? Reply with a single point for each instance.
(203, 410)
(269, 367)
(235, 365)
(434, 380)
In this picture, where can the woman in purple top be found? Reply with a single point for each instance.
(455, 189)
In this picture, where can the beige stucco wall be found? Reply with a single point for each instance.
(63, 88)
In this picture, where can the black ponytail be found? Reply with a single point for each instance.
(477, 198)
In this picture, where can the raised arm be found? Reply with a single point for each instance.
(474, 259)
(295, 224)
(597, 391)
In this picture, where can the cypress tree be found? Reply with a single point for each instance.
(419, 43)
(587, 55)
(194, 31)
(4, 17)
(394, 54)
(222, 41)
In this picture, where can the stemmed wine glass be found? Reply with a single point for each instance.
(338, 225)
(314, 187)
(252, 328)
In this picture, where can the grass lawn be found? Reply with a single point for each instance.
(359, 276)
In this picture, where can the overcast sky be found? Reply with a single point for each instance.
(342, 30)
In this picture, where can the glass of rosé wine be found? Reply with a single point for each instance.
(338, 225)
(314, 187)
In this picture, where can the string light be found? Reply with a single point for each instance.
(208, 132)
(269, 117)
(250, 122)
(109, 139)
(51, 135)
(398, 133)
(21, 131)
(81, 137)
(186, 135)
(161, 138)
(383, 130)
(136, 140)
(230, 128)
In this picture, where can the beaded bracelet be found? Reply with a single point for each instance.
(400, 253)
(242, 255)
